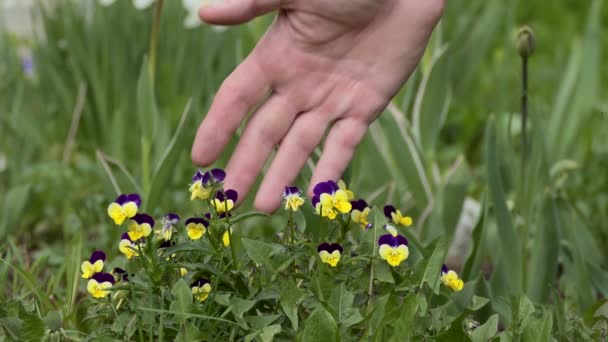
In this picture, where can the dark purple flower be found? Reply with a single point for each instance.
(103, 277)
(200, 282)
(172, 218)
(291, 190)
(122, 199)
(329, 248)
(143, 218)
(229, 194)
(121, 275)
(328, 187)
(197, 220)
(359, 204)
(444, 269)
(198, 176)
(166, 244)
(393, 241)
(389, 210)
(97, 255)
(214, 176)
(207, 216)
(125, 236)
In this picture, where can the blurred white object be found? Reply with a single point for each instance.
(461, 244)
(139, 4)
(15, 16)
(192, 20)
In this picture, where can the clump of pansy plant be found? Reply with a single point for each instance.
(186, 270)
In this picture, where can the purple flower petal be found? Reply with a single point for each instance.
(444, 269)
(173, 218)
(328, 187)
(232, 195)
(206, 179)
(218, 175)
(200, 282)
(197, 176)
(369, 226)
(144, 218)
(134, 198)
(291, 190)
(315, 200)
(121, 274)
(388, 210)
(335, 247)
(401, 240)
(323, 247)
(208, 216)
(97, 255)
(359, 205)
(197, 220)
(166, 244)
(122, 199)
(103, 277)
(125, 236)
(387, 239)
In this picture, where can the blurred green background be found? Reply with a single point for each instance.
(450, 137)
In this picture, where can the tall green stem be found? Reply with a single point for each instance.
(154, 39)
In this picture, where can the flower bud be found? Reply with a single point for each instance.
(526, 41)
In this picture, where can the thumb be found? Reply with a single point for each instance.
(231, 12)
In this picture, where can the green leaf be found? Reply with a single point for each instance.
(239, 307)
(539, 328)
(247, 215)
(182, 300)
(545, 254)
(189, 332)
(259, 322)
(14, 202)
(432, 271)
(290, 298)
(346, 314)
(269, 332)
(320, 326)
(486, 331)
(32, 328)
(473, 263)
(510, 252)
(261, 252)
(382, 272)
(405, 325)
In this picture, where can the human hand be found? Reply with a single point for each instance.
(322, 63)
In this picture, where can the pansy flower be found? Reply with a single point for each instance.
(183, 271)
(450, 279)
(124, 207)
(140, 226)
(293, 198)
(93, 265)
(330, 253)
(196, 227)
(202, 183)
(349, 193)
(328, 198)
(360, 212)
(201, 289)
(127, 247)
(393, 249)
(224, 201)
(168, 226)
(120, 274)
(99, 285)
(226, 237)
(396, 216)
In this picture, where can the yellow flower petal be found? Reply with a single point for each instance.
(330, 258)
(116, 213)
(226, 239)
(129, 209)
(195, 230)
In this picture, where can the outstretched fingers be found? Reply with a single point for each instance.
(301, 140)
(238, 95)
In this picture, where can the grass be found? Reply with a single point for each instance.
(452, 133)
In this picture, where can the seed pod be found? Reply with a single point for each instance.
(526, 41)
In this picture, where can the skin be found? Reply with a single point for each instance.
(323, 66)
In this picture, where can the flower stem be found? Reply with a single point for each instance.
(154, 39)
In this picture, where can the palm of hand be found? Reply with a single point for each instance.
(323, 62)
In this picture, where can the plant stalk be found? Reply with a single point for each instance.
(154, 39)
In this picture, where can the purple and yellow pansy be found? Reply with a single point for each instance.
(224, 201)
(168, 226)
(140, 226)
(393, 249)
(329, 200)
(127, 246)
(203, 183)
(293, 198)
(330, 253)
(450, 279)
(99, 285)
(93, 265)
(359, 213)
(196, 227)
(201, 289)
(120, 275)
(396, 216)
(124, 207)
